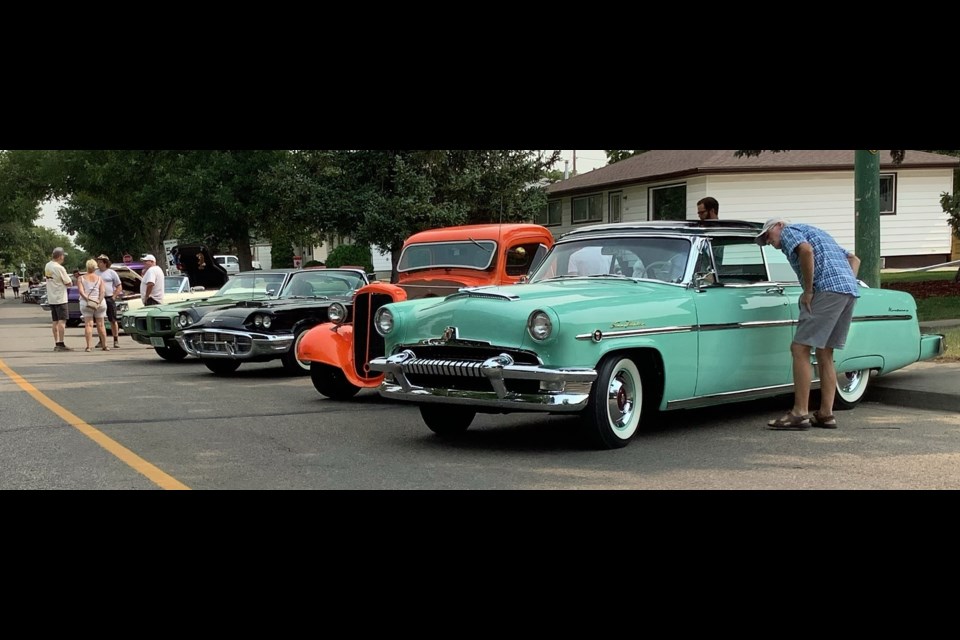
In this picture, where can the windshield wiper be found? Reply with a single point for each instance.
(479, 245)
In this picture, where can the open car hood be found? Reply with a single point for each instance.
(197, 263)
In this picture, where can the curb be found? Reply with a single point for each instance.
(914, 399)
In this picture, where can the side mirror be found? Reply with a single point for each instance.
(523, 279)
(197, 288)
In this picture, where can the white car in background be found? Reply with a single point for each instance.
(231, 264)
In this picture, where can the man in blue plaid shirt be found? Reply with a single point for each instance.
(828, 274)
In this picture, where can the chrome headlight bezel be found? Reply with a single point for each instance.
(337, 313)
(540, 325)
(262, 320)
(183, 320)
(384, 322)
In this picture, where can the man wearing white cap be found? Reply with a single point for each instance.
(57, 283)
(151, 287)
(828, 274)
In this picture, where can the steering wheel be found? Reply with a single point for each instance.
(658, 270)
(666, 270)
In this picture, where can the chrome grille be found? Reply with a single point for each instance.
(226, 343)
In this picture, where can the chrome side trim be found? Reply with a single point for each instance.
(758, 324)
(736, 396)
(880, 318)
(637, 332)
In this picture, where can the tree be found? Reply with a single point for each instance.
(381, 197)
(616, 155)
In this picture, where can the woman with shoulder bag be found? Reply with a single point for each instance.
(93, 306)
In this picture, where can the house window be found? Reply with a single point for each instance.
(588, 209)
(888, 194)
(668, 203)
(614, 208)
(550, 215)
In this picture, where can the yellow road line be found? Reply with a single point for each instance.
(154, 474)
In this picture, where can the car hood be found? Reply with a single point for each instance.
(498, 315)
(196, 261)
(288, 310)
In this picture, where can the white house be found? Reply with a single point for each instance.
(813, 187)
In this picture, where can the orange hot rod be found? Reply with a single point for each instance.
(432, 263)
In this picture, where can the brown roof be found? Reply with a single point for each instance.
(666, 164)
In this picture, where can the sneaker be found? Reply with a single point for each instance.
(65, 348)
(116, 345)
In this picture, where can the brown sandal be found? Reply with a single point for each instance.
(824, 422)
(790, 422)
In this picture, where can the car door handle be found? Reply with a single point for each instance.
(777, 289)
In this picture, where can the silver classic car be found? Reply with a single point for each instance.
(622, 321)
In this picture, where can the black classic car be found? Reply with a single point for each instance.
(263, 330)
(158, 325)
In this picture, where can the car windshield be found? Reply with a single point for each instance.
(638, 257)
(323, 283)
(173, 284)
(468, 254)
(252, 284)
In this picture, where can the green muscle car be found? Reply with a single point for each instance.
(622, 321)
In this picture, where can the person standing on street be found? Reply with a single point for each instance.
(151, 287)
(113, 290)
(828, 274)
(15, 285)
(93, 305)
(57, 282)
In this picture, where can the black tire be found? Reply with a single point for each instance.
(851, 387)
(331, 382)
(289, 359)
(171, 352)
(221, 367)
(614, 412)
(447, 420)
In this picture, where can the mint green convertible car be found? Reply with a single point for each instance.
(623, 321)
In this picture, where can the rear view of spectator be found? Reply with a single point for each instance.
(15, 285)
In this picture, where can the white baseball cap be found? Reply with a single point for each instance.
(149, 257)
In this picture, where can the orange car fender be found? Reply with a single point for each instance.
(327, 343)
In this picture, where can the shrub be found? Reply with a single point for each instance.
(351, 255)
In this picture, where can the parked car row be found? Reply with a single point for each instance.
(500, 318)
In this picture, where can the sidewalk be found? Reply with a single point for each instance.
(922, 385)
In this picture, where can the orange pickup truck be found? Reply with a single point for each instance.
(436, 262)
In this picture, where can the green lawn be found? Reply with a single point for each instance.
(940, 308)
(916, 276)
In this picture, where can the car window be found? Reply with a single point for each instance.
(250, 284)
(739, 260)
(520, 258)
(638, 257)
(779, 265)
(467, 254)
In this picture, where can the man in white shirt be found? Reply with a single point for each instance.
(112, 290)
(151, 287)
(57, 282)
(589, 261)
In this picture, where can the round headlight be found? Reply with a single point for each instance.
(267, 321)
(183, 321)
(337, 313)
(257, 321)
(539, 325)
(383, 321)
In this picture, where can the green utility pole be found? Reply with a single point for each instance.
(866, 170)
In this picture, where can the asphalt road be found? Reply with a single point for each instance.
(127, 419)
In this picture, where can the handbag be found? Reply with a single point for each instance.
(93, 300)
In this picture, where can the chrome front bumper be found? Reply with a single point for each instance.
(560, 389)
(232, 344)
